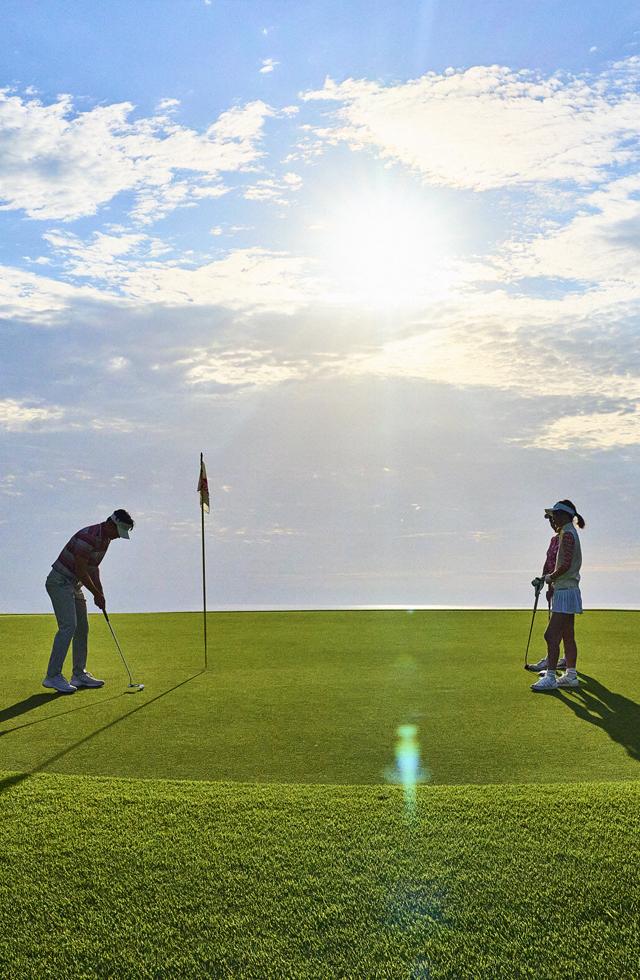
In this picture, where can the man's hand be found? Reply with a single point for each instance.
(100, 601)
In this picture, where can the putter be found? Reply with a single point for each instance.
(132, 687)
(535, 606)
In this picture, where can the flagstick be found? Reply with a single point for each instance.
(204, 580)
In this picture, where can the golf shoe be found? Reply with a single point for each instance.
(546, 683)
(566, 681)
(60, 684)
(85, 679)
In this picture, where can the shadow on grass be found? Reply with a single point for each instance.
(28, 704)
(82, 692)
(616, 715)
(20, 777)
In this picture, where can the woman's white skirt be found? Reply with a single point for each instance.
(566, 601)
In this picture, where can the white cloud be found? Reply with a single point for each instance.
(491, 127)
(250, 279)
(268, 64)
(17, 415)
(25, 295)
(167, 105)
(98, 258)
(57, 163)
(8, 486)
(599, 244)
(117, 364)
(276, 191)
(516, 344)
(592, 431)
(240, 368)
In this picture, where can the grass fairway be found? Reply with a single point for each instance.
(263, 840)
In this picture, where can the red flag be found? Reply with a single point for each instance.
(203, 486)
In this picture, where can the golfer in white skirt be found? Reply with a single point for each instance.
(566, 601)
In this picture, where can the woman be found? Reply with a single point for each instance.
(566, 601)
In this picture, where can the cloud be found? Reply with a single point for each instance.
(57, 163)
(8, 486)
(268, 64)
(167, 105)
(99, 258)
(250, 279)
(591, 431)
(18, 415)
(533, 348)
(276, 191)
(126, 273)
(598, 244)
(38, 299)
(241, 368)
(491, 127)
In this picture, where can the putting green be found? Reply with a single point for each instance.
(318, 698)
(253, 871)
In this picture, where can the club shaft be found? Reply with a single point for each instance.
(115, 639)
(535, 606)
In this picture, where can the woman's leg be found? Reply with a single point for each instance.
(569, 640)
(553, 635)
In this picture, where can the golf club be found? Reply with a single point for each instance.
(535, 606)
(132, 687)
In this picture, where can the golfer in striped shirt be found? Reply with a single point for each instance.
(77, 565)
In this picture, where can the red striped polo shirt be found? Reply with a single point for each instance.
(91, 543)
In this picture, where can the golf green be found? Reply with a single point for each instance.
(318, 698)
(269, 838)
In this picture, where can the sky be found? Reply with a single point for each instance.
(377, 261)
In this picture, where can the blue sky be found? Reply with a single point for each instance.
(378, 261)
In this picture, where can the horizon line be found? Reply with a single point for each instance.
(334, 608)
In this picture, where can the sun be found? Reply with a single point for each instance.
(384, 251)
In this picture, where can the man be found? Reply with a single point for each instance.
(75, 566)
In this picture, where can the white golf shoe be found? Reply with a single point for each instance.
(536, 668)
(85, 679)
(547, 682)
(566, 681)
(60, 684)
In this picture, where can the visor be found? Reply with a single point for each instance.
(548, 511)
(123, 529)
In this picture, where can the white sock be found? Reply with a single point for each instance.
(551, 673)
(571, 672)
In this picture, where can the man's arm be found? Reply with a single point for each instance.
(95, 587)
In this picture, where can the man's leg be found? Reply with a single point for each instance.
(63, 602)
(81, 634)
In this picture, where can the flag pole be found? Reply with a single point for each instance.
(204, 573)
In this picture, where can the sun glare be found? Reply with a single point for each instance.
(385, 252)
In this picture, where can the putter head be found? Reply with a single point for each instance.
(134, 688)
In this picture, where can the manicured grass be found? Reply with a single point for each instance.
(292, 857)
(317, 698)
(115, 878)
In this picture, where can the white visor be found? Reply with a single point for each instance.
(559, 506)
(123, 529)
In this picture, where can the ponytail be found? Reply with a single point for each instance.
(579, 517)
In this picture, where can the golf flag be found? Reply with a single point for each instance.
(203, 486)
(203, 490)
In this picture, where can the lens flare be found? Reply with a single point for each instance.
(408, 771)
